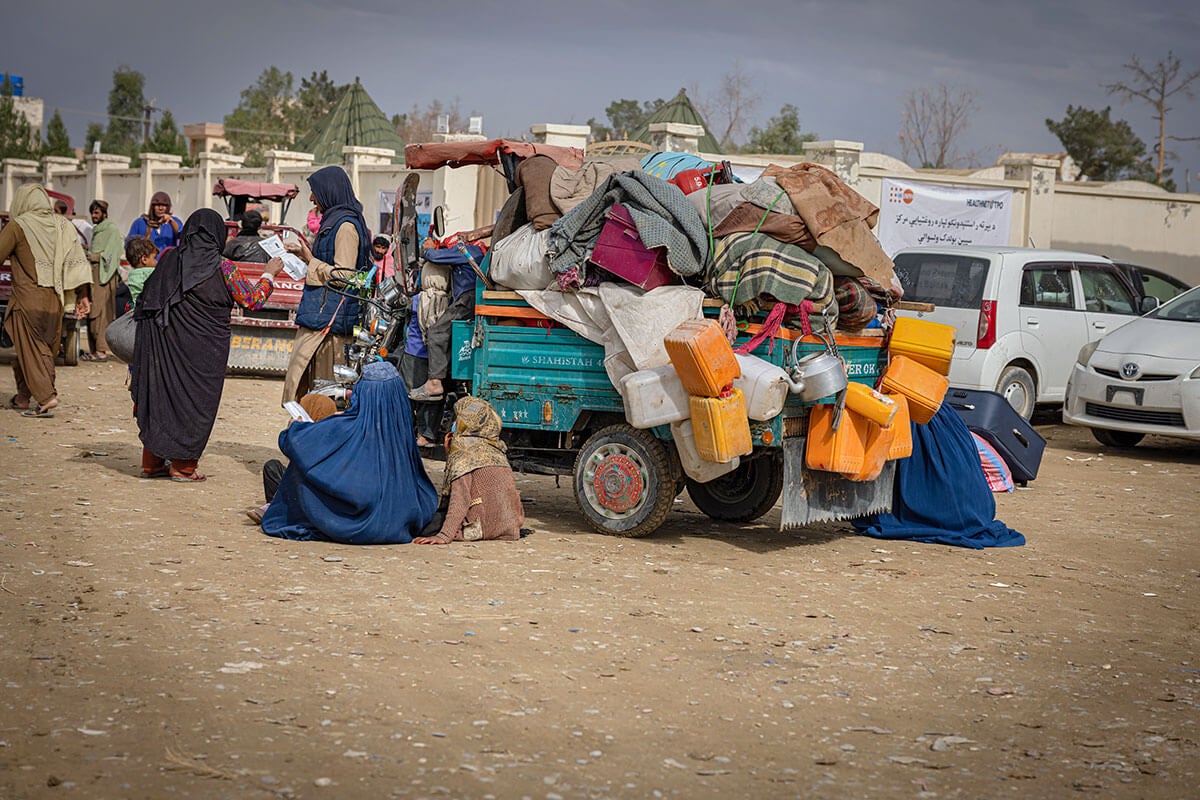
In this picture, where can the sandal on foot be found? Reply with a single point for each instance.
(15, 405)
(188, 477)
(420, 395)
(39, 411)
(92, 357)
(161, 472)
(256, 514)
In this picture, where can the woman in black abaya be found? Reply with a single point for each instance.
(182, 345)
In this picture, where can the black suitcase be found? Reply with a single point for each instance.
(989, 415)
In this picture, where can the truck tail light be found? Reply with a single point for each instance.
(985, 336)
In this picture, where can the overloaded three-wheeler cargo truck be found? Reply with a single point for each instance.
(562, 416)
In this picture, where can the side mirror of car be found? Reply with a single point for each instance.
(1149, 303)
(438, 227)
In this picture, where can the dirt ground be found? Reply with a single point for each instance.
(153, 643)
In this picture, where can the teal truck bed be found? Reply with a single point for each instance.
(562, 416)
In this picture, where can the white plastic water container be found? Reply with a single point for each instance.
(764, 385)
(654, 396)
(694, 466)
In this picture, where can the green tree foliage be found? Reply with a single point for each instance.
(95, 133)
(1104, 149)
(781, 135)
(273, 112)
(316, 97)
(17, 137)
(58, 141)
(264, 119)
(126, 109)
(165, 138)
(624, 116)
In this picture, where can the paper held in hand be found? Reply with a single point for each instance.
(297, 411)
(292, 265)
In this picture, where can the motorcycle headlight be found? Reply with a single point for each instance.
(1085, 353)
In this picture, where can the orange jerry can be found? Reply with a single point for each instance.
(875, 453)
(923, 387)
(929, 343)
(702, 357)
(721, 427)
(902, 425)
(875, 406)
(842, 450)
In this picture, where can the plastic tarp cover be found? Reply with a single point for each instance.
(278, 192)
(431, 155)
(628, 321)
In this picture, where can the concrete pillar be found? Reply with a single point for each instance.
(209, 167)
(278, 159)
(676, 137)
(358, 157)
(561, 135)
(837, 155)
(52, 166)
(151, 163)
(96, 165)
(16, 171)
(1038, 174)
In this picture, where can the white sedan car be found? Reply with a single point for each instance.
(1142, 378)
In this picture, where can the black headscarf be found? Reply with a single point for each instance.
(251, 222)
(182, 268)
(331, 186)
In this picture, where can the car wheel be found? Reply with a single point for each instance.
(743, 495)
(1016, 385)
(623, 481)
(1121, 439)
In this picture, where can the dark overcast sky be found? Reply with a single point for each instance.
(846, 65)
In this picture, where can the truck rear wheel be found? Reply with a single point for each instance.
(623, 481)
(743, 495)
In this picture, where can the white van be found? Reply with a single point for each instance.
(1020, 314)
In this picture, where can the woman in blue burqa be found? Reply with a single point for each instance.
(355, 477)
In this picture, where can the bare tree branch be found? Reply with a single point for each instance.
(932, 124)
(1155, 86)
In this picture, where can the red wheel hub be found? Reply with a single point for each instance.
(618, 483)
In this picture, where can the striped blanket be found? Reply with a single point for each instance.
(754, 266)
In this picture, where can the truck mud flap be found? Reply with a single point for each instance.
(812, 496)
(260, 350)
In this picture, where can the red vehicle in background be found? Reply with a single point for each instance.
(261, 341)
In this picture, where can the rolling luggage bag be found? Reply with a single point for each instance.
(989, 415)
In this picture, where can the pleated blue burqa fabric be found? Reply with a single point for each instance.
(355, 477)
(941, 495)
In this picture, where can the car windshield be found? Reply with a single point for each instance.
(944, 280)
(1184, 308)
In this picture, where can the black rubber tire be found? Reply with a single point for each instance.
(1118, 439)
(636, 450)
(70, 346)
(1018, 387)
(743, 495)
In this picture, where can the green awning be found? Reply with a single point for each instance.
(678, 109)
(354, 122)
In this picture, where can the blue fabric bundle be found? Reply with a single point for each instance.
(941, 495)
(355, 477)
(667, 165)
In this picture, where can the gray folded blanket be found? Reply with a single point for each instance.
(661, 212)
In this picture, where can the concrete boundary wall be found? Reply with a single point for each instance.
(1128, 220)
